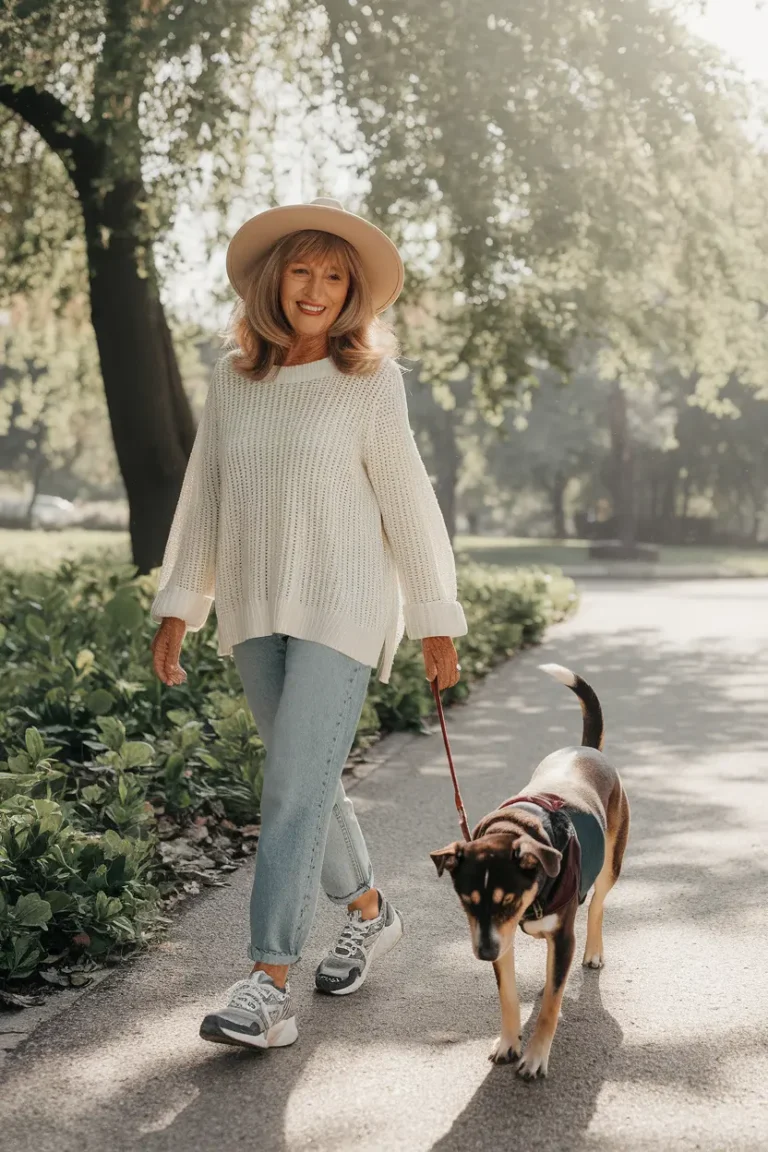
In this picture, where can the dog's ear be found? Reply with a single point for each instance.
(447, 857)
(533, 852)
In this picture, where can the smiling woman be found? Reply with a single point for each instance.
(306, 510)
(307, 298)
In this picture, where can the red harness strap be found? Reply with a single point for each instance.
(566, 883)
(546, 800)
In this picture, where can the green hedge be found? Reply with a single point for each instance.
(118, 795)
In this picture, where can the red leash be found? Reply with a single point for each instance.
(457, 794)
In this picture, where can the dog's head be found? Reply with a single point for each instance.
(496, 877)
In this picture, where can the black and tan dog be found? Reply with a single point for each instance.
(532, 861)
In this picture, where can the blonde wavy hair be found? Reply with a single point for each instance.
(358, 338)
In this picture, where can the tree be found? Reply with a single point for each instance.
(47, 380)
(558, 175)
(137, 100)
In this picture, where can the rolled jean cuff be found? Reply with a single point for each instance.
(360, 891)
(260, 956)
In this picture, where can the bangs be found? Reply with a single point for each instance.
(313, 245)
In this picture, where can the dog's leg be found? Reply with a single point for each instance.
(616, 842)
(560, 948)
(508, 1047)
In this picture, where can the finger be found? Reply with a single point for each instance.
(159, 664)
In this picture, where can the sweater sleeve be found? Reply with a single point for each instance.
(186, 583)
(411, 517)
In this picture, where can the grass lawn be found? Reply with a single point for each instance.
(513, 552)
(19, 549)
(38, 549)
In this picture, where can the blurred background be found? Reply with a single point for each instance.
(579, 190)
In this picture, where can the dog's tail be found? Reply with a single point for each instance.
(593, 731)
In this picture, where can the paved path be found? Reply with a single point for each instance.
(665, 1049)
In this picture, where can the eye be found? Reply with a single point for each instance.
(509, 898)
(299, 270)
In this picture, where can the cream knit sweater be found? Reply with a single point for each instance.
(306, 509)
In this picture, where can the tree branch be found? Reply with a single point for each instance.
(48, 116)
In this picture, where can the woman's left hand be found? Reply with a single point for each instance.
(441, 660)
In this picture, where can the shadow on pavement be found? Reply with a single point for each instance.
(511, 1114)
(686, 727)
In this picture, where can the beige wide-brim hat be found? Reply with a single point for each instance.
(379, 256)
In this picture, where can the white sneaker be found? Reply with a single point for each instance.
(346, 966)
(258, 1015)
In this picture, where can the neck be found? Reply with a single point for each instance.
(305, 349)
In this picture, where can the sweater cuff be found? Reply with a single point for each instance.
(190, 607)
(440, 618)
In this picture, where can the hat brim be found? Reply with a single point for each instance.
(378, 254)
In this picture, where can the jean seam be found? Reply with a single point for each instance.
(308, 885)
(341, 820)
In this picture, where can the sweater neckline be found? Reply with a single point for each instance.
(314, 370)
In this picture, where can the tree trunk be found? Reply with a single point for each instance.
(441, 427)
(623, 466)
(557, 494)
(37, 469)
(669, 498)
(152, 425)
(447, 466)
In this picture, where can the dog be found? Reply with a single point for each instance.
(531, 863)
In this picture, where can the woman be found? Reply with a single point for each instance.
(306, 505)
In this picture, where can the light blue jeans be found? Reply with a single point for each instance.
(306, 699)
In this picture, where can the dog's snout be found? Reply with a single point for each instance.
(488, 951)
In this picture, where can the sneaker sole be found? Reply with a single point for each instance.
(390, 936)
(280, 1035)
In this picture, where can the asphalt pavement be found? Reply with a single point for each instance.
(666, 1048)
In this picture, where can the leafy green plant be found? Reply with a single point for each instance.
(114, 787)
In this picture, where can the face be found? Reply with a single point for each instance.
(494, 889)
(312, 294)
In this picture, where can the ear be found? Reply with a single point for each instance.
(448, 857)
(533, 852)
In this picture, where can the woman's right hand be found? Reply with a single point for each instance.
(166, 648)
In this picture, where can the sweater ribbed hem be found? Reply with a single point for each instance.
(192, 607)
(303, 621)
(438, 619)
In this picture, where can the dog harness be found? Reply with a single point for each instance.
(580, 838)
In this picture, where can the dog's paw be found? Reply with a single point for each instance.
(506, 1051)
(534, 1062)
(592, 960)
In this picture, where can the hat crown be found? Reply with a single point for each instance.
(328, 202)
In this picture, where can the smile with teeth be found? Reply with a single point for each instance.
(310, 309)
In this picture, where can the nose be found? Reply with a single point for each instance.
(487, 951)
(316, 286)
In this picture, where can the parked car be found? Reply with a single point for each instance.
(50, 513)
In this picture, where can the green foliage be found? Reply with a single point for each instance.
(163, 102)
(556, 173)
(66, 890)
(103, 769)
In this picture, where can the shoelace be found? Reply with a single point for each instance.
(352, 937)
(253, 997)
